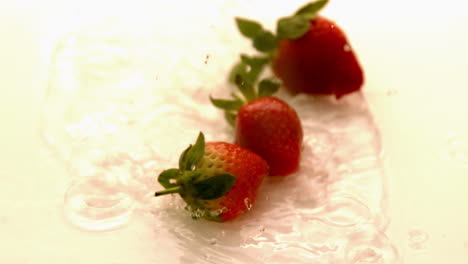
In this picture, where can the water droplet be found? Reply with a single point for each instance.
(248, 203)
(218, 211)
(417, 238)
(347, 48)
(199, 213)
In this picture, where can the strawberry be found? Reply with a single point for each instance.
(217, 180)
(309, 53)
(319, 62)
(271, 128)
(264, 124)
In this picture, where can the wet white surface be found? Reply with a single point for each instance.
(415, 89)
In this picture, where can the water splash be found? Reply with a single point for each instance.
(345, 212)
(116, 143)
(331, 196)
(94, 204)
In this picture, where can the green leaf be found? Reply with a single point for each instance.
(246, 88)
(248, 28)
(230, 118)
(254, 61)
(193, 154)
(310, 10)
(236, 97)
(256, 65)
(233, 105)
(214, 187)
(239, 68)
(183, 158)
(265, 41)
(166, 176)
(249, 68)
(292, 27)
(268, 87)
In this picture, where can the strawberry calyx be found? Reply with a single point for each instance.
(186, 180)
(290, 27)
(245, 74)
(250, 90)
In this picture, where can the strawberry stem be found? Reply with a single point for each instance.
(169, 191)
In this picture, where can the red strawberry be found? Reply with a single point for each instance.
(271, 128)
(217, 180)
(309, 53)
(319, 62)
(264, 124)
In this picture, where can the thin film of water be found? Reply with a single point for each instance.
(328, 212)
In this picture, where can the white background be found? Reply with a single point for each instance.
(416, 62)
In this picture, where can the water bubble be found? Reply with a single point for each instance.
(197, 213)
